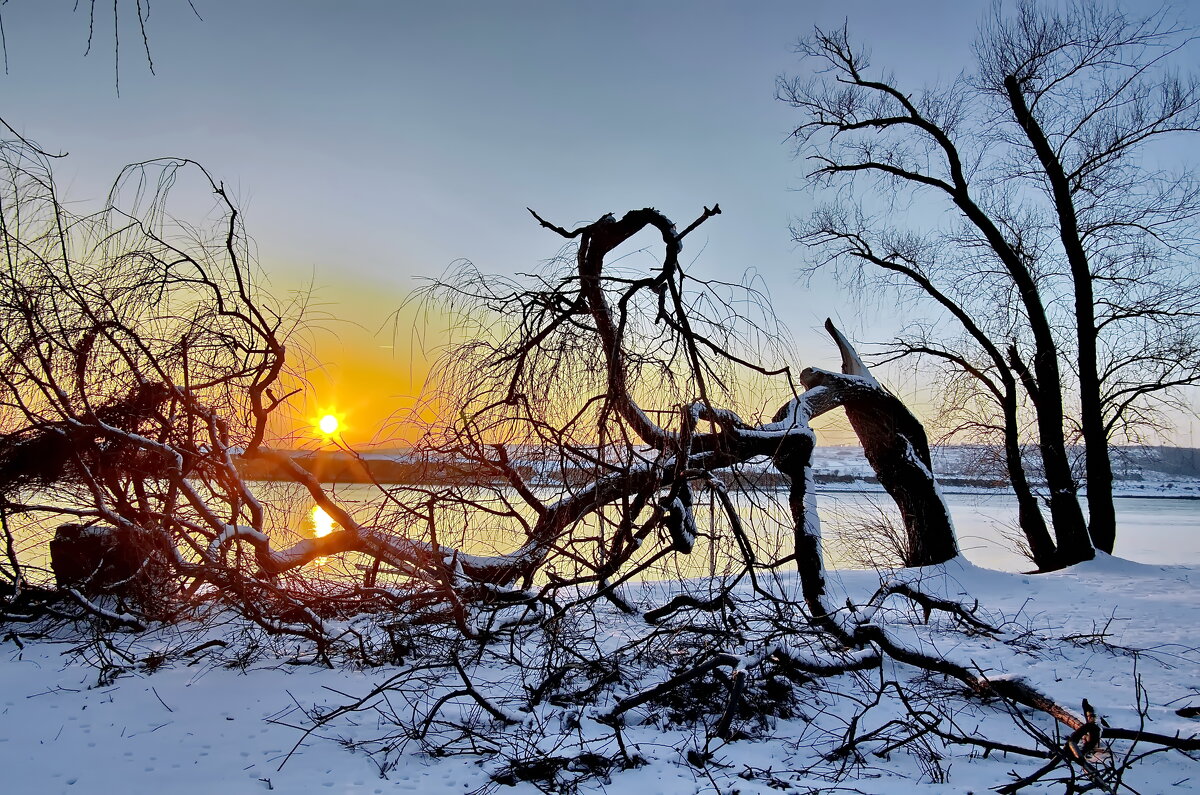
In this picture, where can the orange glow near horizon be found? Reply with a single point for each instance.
(357, 393)
(359, 398)
(362, 355)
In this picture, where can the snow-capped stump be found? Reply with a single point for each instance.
(100, 560)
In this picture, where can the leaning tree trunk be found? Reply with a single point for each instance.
(895, 445)
(1033, 524)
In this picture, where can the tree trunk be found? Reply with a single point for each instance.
(1029, 513)
(794, 459)
(895, 445)
(1074, 544)
(1102, 524)
(1102, 514)
(1044, 388)
(100, 560)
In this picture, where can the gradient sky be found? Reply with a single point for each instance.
(373, 143)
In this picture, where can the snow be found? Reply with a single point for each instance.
(199, 730)
(219, 726)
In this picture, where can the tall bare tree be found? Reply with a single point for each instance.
(1062, 246)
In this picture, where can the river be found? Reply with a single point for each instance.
(1154, 530)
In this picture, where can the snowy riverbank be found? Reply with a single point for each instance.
(1093, 632)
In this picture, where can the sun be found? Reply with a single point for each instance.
(328, 425)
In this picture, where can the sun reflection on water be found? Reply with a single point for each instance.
(322, 526)
(322, 522)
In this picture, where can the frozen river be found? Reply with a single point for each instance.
(1149, 529)
(1153, 530)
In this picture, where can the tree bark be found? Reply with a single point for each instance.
(896, 446)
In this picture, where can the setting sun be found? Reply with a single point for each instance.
(328, 424)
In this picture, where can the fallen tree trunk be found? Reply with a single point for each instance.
(897, 448)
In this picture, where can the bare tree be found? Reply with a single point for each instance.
(139, 364)
(1066, 260)
(566, 368)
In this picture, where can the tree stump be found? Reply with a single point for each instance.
(98, 560)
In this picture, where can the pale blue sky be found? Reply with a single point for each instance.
(382, 140)
(374, 142)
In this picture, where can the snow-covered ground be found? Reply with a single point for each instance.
(210, 727)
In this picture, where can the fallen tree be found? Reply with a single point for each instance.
(138, 365)
(582, 363)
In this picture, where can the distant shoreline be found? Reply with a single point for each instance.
(337, 467)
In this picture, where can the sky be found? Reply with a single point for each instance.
(372, 144)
